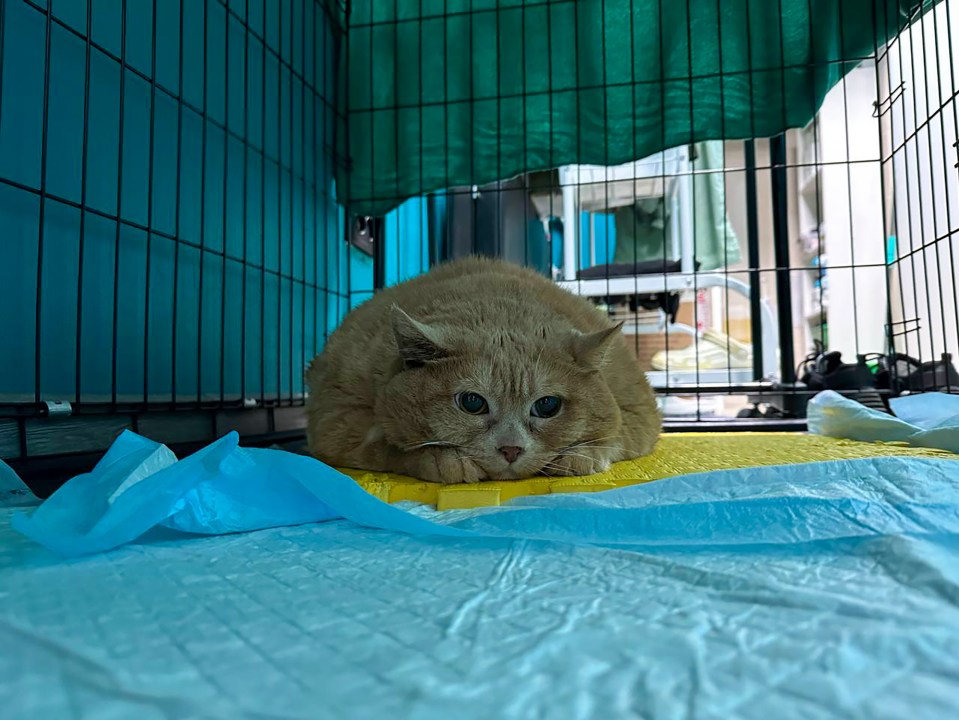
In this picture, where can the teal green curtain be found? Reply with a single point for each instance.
(441, 93)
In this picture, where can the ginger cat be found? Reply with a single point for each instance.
(478, 370)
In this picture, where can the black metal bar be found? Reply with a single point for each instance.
(753, 261)
(303, 203)
(176, 245)
(381, 239)
(777, 152)
(116, 240)
(291, 344)
(150, 171)
(433, 235)
(83, 187)
(377, 229)
(322, 171)
(42, 213)
(3, 22)
(228, 70)
(203, 204)
(434, 231)
(263, 212)
(279, 205)
(347, 97)
(246, 190)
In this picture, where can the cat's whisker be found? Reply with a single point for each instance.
(554, 465)
(592, 447)
(585, 442)
(579, 455)
(592, 442)
(430, 443)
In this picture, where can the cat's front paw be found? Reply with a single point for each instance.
(579, 464)
(446, 466)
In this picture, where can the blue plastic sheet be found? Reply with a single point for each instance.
(139, 485)
(927, 420)
(820, 590)
(223, 488)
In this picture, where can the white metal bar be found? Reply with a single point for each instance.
(570, 226)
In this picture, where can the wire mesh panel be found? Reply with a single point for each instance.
(731, 180)
(170, 238)
(918, 79)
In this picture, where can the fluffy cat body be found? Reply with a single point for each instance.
(478, 370)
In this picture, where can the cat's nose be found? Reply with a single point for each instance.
(510, 452)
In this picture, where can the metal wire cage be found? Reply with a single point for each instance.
(170, 238)
(193, 194)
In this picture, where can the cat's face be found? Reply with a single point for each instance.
(510, 403)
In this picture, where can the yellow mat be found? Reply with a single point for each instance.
(675, 454)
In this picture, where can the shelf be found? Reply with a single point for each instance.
(678, 379)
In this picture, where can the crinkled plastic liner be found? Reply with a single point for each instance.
(820, 590)
(223, 488)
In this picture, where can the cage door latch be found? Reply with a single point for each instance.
(57, 408)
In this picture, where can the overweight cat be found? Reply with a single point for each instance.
(478, 370)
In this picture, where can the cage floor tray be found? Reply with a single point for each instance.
(675, 454)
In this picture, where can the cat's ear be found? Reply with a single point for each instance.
(590, 349)
(417, 342)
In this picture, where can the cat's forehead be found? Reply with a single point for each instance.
(515, 368)
(513, 337)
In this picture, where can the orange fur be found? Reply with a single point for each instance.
(383, 392)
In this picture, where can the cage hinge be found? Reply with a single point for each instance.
(57, 408)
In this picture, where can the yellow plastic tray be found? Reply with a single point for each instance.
(675, 454)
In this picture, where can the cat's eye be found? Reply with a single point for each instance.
(546, 407)
(472, 403)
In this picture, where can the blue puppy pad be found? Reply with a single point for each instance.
(822, 590)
